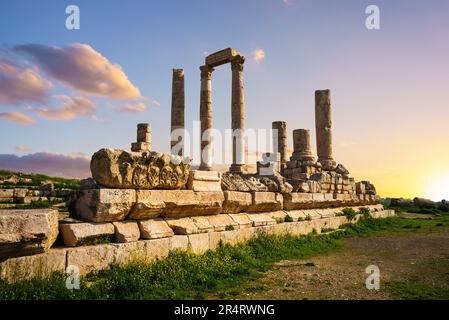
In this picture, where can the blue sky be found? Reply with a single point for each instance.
(386, 84)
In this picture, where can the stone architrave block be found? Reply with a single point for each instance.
(126, 231)
(265, 201)
(103, 205)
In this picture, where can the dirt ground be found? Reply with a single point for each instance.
(341, 274)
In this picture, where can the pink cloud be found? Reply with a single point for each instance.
(71, 166)
(20, 85)
(82, 68)
(138, 107)
(70, 108)
(22, 149)
(17, 117)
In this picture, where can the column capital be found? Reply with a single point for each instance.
(237, 63)
(206, 72)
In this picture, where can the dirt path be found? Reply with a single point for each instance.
(341, 274)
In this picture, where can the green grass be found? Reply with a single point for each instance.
(416, 289)
(188, 276)
(37, 179)
(415, 209)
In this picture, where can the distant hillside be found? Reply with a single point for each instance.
(19, 179)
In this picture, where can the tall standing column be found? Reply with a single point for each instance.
(280, 141)
(143, 138)
(301, 145)
(238, 115)
(177, 112)
(323, 124)
(206, 117)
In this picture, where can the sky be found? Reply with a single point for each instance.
(65, 94)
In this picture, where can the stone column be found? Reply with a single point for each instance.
(238, 115)
(177, 109)
(143, 138)
(323, 124)
(280, 141)
(301, 145)
(206, 116)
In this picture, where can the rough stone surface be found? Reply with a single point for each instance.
(203, 224)
(24, 232)
(259, 219)
(102, 205)
(74, 234)
(39, 265)
(179, 242)
(296, 201)
(265, 201)
(242, 220)
(199, 243)
(126, 231)
(221, 221)
(182, 226)
(236, 202)
(154, 229)
(157, 248)
(114, 168)
(91, 258)
(130, 251)
(176, 203)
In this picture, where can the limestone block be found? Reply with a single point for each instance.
(246, 234)
(149, 204)
(242, 220)
(297, 200)
(38, 265)
(176, 203)
(20, 192)
(75, 234)
(280, 229)
(157, 248)
(6, 193)
(214, 240)
(24, 232)
(114, 168)
(203, 224)
(360, 188)
(103, 205)
(236, 201)
(91, 258)
(128, 252)
(265, 201)
(221, 221)
(182, 226)
(126, 231)
(204, 181)
(199, 243)
(230, 237)
(259, 219)
(205, 186)
(154, 229)
(296, 215)
(312, 214)
(278, 216)
(179, 242)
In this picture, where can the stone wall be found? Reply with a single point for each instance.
(155, 238)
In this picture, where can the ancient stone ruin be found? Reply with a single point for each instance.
(142, 204)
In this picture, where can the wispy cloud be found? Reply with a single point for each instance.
(82, 68)
(17, 117)
(70, 108)
(134, 108)
(258, 55)
(21, 84)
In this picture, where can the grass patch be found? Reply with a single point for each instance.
(416, 289)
